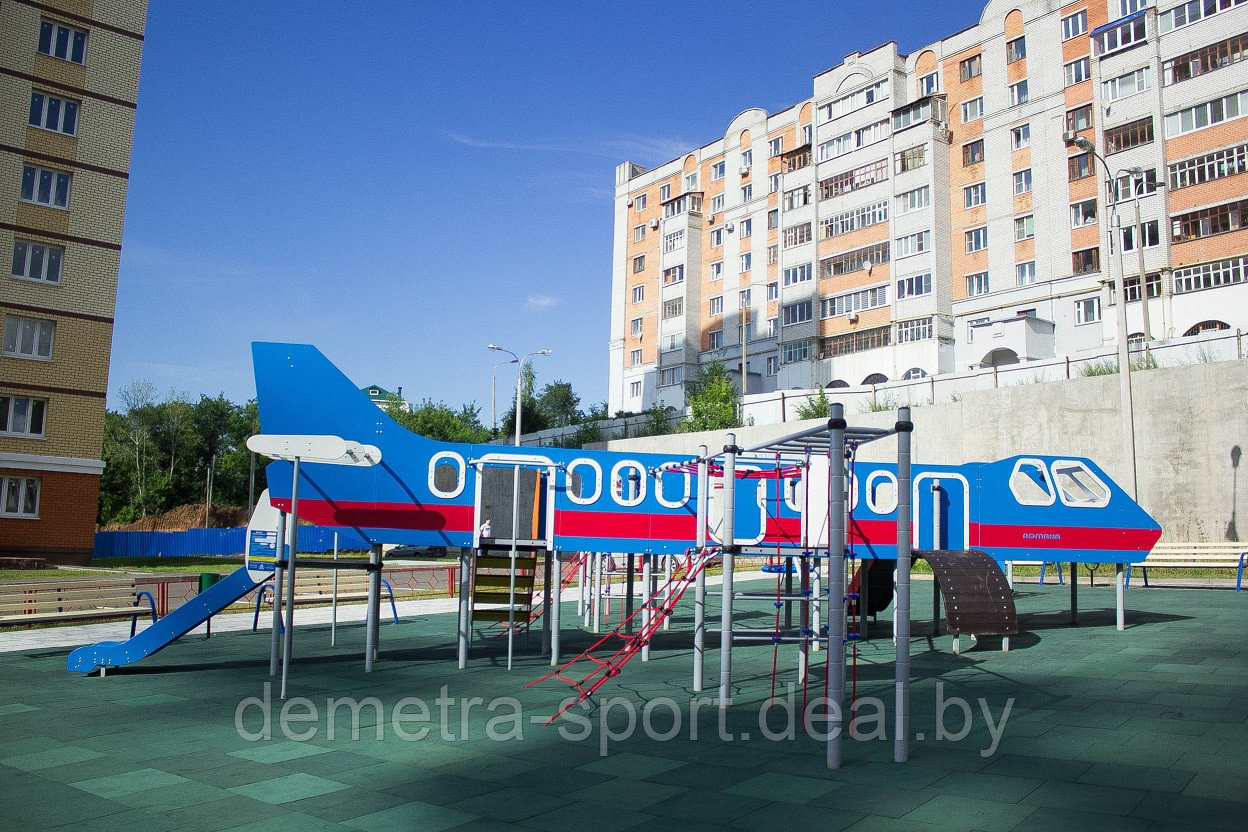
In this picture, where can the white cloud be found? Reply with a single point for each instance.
(540, 302)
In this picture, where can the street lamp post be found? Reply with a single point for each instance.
(493, 387)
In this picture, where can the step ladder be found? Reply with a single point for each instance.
(491, 584)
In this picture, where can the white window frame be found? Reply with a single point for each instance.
(20, 486)
(1025, 273)
(775, 147)
(1078, 70)
(976, 239)
(75, 41)
(1048, 483)
(37, 176)
(717, 271)
(9, 416)
(1019, 93)
(1022, 178)
(972, 109)
(52, 118)
(635, 357)
(717, 203)
(16, 329)
(1074, 24)
(35, 261)
(639, 294)
(634, 391)
(717, 171)
(977, 284)
(1087, 311)
(1020, 136)
(639, 233)
(1083, 213)
(715, 306)
(1116, 88)
(974, 195)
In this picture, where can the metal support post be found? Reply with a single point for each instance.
(596, 592)
(901, 719)
(275, 646)
(699, 589)
(937, 517)
(647, 610)
(667, 588)
(631, 571)
(556, 610)
(727, 534)
(290, 576)
(515, 533)
(836, 582)
(549, 592)
(1120, 599)
(333, 605)
(372, 635)
(465, 605)
(1074, 593)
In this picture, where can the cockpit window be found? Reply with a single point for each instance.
(1078, 486)
(1030, 483)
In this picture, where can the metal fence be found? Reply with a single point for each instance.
(212, 542)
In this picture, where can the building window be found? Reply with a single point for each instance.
(22, 416)
(970, 328)
(61, 41)
(1210, 275)
(1123, 36)
(52, 113)
(1015, 50)
(796, 235)
(28, 337)
(1126, 7)
(1087, 311)
(909, 287)
(1080, 166)
(1086, 261)
(977, 284)
(717, 271)
(855, 100)
(639, 203)
(972, 110)
(715, 339)
(974, 195)
(717, 203)
(797, 198)
(929, 84)
(773, 183)
(970, 68)
(808, 132)
(45, 187)
(976, 240)
(917, 330)
(1079, 118)
(673, 308)
(921, 111)
(1025, 273)
(1083, 213)
(847, 221)
(674, 274)
(795, 352)
(1220, 164)
(973, 153)
(852, 180)
(717, 171)
(773, 291)
(1024, 228)
(1128, 136)
(634, 389)
(1078, 71)
(1207, 114)
(776, 146)
(20, 497)
(851, 302)
(1075, 24)
(1020, 136)
(691, 181)
(797, 274)
(1124, 86)
(634, 357)
(1152, 235)
(665, 193)
(852, 261)
(773, 365)
(912, 244)
(1126, 187)
(674, 241)
(639, 263)
(717, 237)
(1191, 12)
(747, 193)
(747, 260)
(910, 159)
(915, 200)
(851, 141)
(715, 305)
(37, 261)
(1022, 182)
(747, 159)
(639, 294)
(747, 226)
(773, 254)
(797, 313)
(672, 376)
(1209, 222)
(1018, 93)
(639, 233)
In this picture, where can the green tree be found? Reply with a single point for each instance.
(559, 405)
(712, 401)
(816, 408)
(532, 417)
(435, 420)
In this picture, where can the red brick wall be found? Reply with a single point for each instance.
(65, 530)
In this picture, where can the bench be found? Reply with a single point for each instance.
(52, 601)
(1043, 564)
(318, 588)
(1195, 556)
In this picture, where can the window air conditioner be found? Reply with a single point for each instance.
(731, 227)
(745, 170)
(1069, 136)
(654, 223)
(629, 203)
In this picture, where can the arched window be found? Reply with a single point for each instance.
(836, 384)
(875, 378)
(999, 358)
(1206, 326)
(915, 372)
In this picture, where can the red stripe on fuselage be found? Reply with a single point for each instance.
(368, 515)
(1063, 537)
(678, 525)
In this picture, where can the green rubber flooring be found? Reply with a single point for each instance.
(1141, 730)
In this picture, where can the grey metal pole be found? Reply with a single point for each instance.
(275, 646)
(667, 588)
(647, 571)
(836, 582)
(630, 578)
(251, 480)
(595, 600)
(290, 577)
(515, 531)
(699, 590)
(556, 610)
(465, 605)
(333, 606)
(901, 666)
(936, 533)
(1120, 599)
(1139, 248)
(374, 607)
(548, 592)
(727, 534)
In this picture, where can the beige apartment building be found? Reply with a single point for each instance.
(69, 76)
(933, 212)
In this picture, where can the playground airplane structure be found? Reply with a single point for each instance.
(341, 461)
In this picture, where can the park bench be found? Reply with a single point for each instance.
(1043, 564)
(1195, 556)
(318, 588)
(53, 601)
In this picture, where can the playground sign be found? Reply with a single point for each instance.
(261, 543)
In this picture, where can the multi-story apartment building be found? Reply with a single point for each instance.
(69, 75)
(933, 212)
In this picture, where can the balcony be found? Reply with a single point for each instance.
(1011, 340)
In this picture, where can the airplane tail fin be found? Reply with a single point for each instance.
(300, 391)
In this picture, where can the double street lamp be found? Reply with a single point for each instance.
(519, 377)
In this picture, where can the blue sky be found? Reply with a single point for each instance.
(403, 185)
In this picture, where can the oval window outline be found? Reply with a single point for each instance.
(658, 489)
(891, 506)
(459, 477)
(617, 473)
(585, 462)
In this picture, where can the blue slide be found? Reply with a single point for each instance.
(166, 630)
